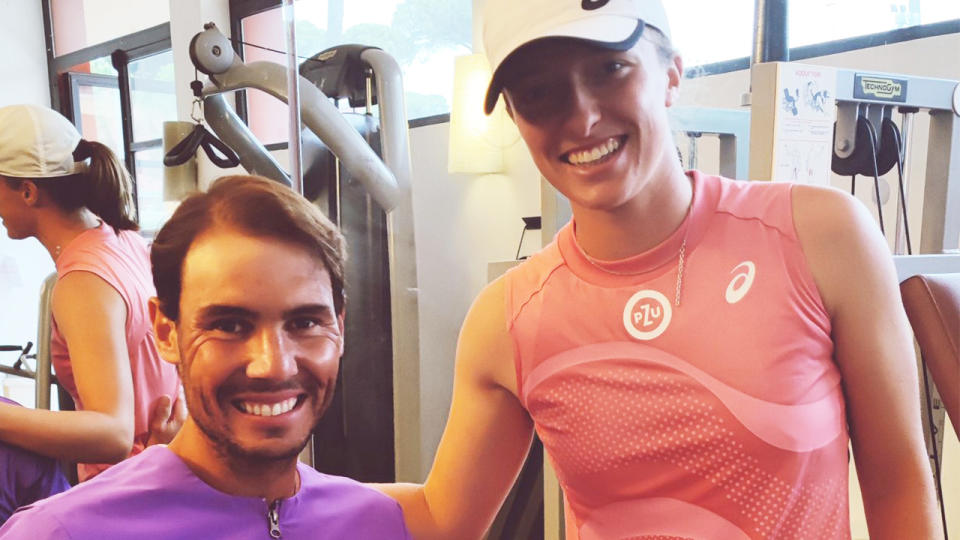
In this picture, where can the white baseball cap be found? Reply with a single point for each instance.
(614, 24)
(36, 142)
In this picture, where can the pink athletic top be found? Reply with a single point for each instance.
(722, 418)
(123, 261)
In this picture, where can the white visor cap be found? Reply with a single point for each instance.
(510, 24)
(36, 142)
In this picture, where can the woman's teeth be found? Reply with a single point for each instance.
(266, 409)
(587, 157)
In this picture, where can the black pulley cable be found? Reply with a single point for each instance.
(890, 127)
(870, 157)
(874, 147)
(200, 137)
(933, 445)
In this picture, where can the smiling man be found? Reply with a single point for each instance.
(250, 308)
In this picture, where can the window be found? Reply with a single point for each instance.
(816, 21)
(422, 35)
(120, 92)
(706, 32)
(152, 101)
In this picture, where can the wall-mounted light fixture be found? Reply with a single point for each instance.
(477, 141)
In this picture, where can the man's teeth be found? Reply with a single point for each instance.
(266, 409)
(589, 156)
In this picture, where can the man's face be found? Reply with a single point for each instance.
(594, 119)
(258, 343)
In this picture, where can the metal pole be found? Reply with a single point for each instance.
(906, 128)
(770, 43)
(44, 338)
(293, 92)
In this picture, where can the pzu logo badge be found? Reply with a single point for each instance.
(591, 5)
(647, 315)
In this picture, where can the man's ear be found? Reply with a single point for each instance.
(165, 332)
(674, 75)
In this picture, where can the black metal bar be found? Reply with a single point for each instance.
(146, 145)
(121, 63)
(429, 120)
(240, 9)
(48, 38)
(71, 107)
(837, 46)
(18, 372)
(93, 79)
(236, 32)
(137, 45)
(770, 43)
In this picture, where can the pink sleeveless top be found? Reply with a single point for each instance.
(123, 261)
(720, 418)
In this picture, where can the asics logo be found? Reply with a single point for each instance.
(647, 315)
(740, 284)
(591, 5)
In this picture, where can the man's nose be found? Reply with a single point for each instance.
(271, 355)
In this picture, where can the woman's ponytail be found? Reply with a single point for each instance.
(109, 189)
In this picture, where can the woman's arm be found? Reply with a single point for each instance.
(91, 315)
(854, 272)
(487, 436)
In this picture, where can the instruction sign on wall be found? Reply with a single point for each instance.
(792, 117)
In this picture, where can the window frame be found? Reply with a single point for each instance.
(825, 48)
(122, 51)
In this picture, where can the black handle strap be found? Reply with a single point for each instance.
(201, 138)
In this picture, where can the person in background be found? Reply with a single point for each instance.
(75, 198)
(26, 477)
(250, 308)
(695, 353)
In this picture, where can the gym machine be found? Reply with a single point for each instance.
(370, 198)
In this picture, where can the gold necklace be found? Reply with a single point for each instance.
(680, 256)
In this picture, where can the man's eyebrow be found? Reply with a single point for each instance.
(309, 309)
(219, 310)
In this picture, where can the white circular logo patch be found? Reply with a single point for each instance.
(740, 284)
(647, 315)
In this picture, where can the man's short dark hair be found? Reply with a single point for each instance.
(256, 206)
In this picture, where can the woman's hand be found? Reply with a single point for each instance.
(166, 417)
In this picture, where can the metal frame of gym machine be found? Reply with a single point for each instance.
(387, 181)
(940, 226)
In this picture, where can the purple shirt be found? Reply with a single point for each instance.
(26, 477)
(154, 495)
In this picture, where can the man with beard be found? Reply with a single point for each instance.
(250, 308)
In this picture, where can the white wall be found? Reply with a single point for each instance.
(23, 62)
(125, 17)
(24, 263)
(463, 222)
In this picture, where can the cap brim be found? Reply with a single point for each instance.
(496, 84)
